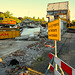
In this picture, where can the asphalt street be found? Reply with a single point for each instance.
(67, 53)
(9, 46)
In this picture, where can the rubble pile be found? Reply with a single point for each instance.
(27, 23)
(18, 53)
(41, 44)
(32, 30)
(14, 70)
(23, 57)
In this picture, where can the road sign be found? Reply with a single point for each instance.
(54, 30)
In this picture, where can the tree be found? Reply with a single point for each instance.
(38, 19)
(17, 20)
(73, 21)
(43, 19)
(34, 17)
(2, 14)
(20, 18)
(8, 14)
(25, 17)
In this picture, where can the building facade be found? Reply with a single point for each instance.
(60, 9)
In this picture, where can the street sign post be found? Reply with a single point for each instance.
(54, 30)
(54, 33)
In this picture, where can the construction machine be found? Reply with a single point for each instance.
(6, 22)
(5, 30)
(70, 27)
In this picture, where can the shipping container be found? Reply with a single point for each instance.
(9, 33)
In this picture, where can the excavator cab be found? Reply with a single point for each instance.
(70, 26)
(67, 25)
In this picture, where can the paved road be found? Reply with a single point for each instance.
(68, 50)
(72, 51)
(9, 46)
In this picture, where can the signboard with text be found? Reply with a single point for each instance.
(54, 30)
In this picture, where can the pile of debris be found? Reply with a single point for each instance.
(27, 23)
(13, 68)
(23, 57)
(32, 29)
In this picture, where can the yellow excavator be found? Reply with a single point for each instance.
(70, 27)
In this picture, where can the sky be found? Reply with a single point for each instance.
(31, 8)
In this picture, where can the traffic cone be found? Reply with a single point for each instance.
(47, 46)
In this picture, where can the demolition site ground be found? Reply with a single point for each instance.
(34, 54)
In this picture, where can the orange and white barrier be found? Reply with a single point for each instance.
(50, 46)
(50, 66)
(64, 66)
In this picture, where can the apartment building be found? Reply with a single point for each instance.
(59, 9)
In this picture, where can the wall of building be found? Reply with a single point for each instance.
(60, 9)
(57, 6)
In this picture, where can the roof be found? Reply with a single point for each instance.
(59, 2)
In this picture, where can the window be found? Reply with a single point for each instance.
(5, 17)
(50, 13)
(55, 12)
(1, 18)
(63, 11)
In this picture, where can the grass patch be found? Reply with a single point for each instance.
(40, 59)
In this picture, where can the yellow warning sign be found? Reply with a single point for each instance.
(54, 30)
